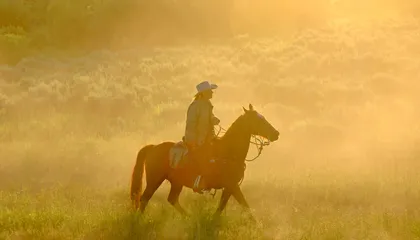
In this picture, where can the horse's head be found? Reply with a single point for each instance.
(257, 124)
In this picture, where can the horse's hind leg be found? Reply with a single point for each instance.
(151, 188)
(173, 197)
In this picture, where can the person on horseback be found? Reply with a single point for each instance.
(199, 131)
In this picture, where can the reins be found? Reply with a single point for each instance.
(258, 141)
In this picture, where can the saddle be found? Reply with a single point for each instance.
(178, 154)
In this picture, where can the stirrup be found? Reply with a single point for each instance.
(196, 185)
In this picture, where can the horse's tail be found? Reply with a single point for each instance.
(137, 175)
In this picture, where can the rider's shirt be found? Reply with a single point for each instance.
(200, 122)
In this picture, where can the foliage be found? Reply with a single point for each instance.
(57, 28)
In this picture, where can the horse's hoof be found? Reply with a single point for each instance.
(217, 215)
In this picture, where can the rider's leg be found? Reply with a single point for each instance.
(197, 187)
(202, 160)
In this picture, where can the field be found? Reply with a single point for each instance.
(343, 97)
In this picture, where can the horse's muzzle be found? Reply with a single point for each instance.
(275, 136)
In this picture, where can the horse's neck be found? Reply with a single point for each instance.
(235, 143)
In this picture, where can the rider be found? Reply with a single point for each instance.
(199, 130)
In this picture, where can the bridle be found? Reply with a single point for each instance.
(259, 142)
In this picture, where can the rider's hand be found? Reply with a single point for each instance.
(215, 120)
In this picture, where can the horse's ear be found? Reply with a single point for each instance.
(251, 107)
(246, 111)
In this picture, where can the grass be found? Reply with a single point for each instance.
(308, 210)
(343, 96)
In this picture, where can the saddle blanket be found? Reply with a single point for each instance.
(178, 154)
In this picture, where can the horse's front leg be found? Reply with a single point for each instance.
(239, 196)
(223, 201)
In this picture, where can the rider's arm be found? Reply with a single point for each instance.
(215, 120)
(191, 125)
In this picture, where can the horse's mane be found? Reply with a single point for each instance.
(234, 128)
(234, 143)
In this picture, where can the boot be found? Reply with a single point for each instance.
(199, 185)
(201, 158)
(200, 182)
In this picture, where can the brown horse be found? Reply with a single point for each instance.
(228, 168)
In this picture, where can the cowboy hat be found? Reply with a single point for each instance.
(205, 86)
